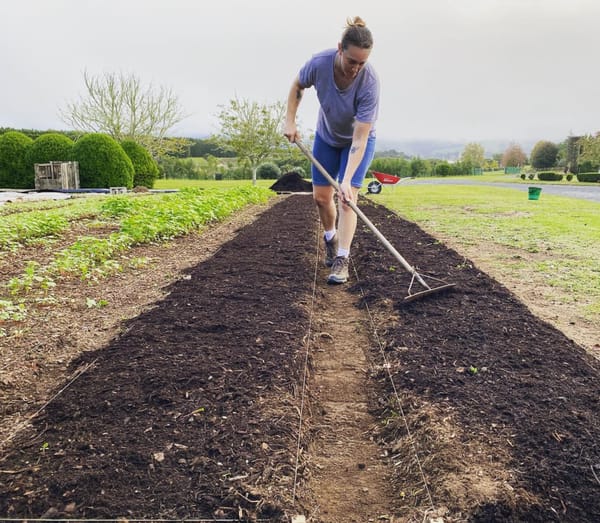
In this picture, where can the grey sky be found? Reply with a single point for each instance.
(464, 70)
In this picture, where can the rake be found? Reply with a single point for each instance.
(417, 279)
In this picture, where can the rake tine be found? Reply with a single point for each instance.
(412, 296)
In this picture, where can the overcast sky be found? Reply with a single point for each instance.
(464, 70)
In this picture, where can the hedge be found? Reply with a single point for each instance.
(102, 162)
(550, 176)
(50, 147)
(588, 177)
(144, 166)
(15, 173)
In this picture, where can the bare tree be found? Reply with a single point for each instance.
(120, 106)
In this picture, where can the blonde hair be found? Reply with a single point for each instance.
(357, 34)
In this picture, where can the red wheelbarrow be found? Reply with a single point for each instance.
(380, 180)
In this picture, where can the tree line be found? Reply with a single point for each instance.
(122, 110)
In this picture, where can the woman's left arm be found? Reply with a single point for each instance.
(357, 152)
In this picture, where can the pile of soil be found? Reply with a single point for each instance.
(291, 182)
(192, 412)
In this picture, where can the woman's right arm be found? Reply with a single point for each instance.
(293, 102)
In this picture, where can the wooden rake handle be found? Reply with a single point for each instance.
(362, 216)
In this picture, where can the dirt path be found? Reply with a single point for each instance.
(350, 477)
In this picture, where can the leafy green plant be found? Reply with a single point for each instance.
(544, 154)
(88, 253)
(10, 311)
(31, 279)
(117, 206)
(442, 169)
(17, 230)
(550, 176)
(142, 220)
(588, 177)
(93, 303)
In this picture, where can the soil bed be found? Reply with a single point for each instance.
(504, 407)
(192, 411)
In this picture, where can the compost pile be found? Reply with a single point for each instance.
(291, 182)
(193, 411)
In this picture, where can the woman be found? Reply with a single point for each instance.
(348, 92)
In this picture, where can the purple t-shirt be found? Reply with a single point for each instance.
(340, 108)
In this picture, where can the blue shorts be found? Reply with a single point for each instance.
(335, 159)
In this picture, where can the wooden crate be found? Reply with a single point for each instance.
(56, 176)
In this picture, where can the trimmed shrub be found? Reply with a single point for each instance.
(50, 147)
(549, 176)
(15, 172)
(442, 169)
(544, 154)
(569, 177)
(102, 162)
(588, 177)
(145, 168)
(268, 171)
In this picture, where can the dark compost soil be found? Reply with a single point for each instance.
(291, 182)
(506, 378)
(196, 393)
(193, 411)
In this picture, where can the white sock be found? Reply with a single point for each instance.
(329, 235)
(343, 252)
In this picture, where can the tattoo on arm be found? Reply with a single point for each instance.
(298, 94)
(353, 149)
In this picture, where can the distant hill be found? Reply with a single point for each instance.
(447, 150)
